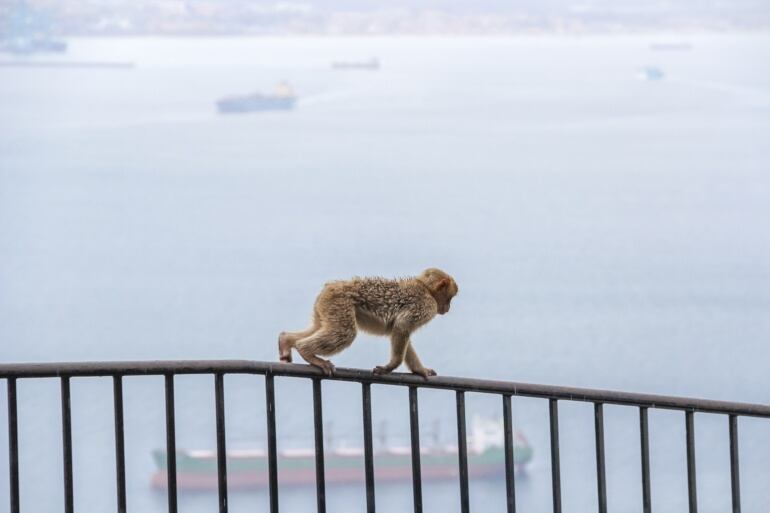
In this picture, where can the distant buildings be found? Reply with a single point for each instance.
(254, 17)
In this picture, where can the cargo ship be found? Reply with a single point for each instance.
(247, 469)
(28, 31)
(650, 73)
(669, 47)
(283, 98)
(372, 64)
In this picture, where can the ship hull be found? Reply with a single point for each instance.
(257, 480)
(254, 103)
(200, 473)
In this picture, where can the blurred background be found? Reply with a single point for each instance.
(179, 178)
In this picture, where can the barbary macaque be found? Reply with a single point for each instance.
(379, 306)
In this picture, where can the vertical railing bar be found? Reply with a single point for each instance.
(272, 457)
(366, 396)
(735, 480)
(13, 446)
(601, 478)
(691, 484)
(120, 451)
(66, 430)
(555, 470)
(644, 436)
(320, 480)
(219, 393)
(510, 487)
(462, 453)
(170, 444)
(414, 430)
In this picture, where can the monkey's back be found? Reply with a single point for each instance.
(391, 300)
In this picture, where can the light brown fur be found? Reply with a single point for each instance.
(379, 306)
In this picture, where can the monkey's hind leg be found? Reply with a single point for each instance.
(325, 365)
(287, 340)
(337, 317)
(327, 342)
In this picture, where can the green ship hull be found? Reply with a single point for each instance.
(197, 470)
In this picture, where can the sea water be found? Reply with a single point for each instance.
(606, 231)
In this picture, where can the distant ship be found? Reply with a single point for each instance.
(650, 73)
(28, 45)
(283, 98)
(247, 469)
(28, 31)
(372, 64)
(668, 47)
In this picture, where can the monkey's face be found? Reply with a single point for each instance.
(446, 290)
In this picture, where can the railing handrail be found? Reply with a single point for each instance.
(162, 367)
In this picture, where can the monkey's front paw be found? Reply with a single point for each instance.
(380, 369)
(425, 372)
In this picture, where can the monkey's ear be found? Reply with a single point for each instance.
(442, 284)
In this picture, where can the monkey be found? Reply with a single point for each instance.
(394, 308)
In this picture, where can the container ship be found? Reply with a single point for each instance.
(372, 64)
(650, 73)
(668, 47)
(28, 31)
(247, 469)
(283, 98)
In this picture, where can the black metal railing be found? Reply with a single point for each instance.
(117, 370)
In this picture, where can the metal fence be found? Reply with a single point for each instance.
(218, 368)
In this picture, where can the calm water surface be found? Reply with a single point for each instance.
(605, 231)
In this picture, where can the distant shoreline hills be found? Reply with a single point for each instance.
(341, 17)
(679, 33)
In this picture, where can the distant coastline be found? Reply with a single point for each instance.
(544, 33)
(64, 64)
(400, 17)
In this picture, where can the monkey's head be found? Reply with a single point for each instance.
(442, 287)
